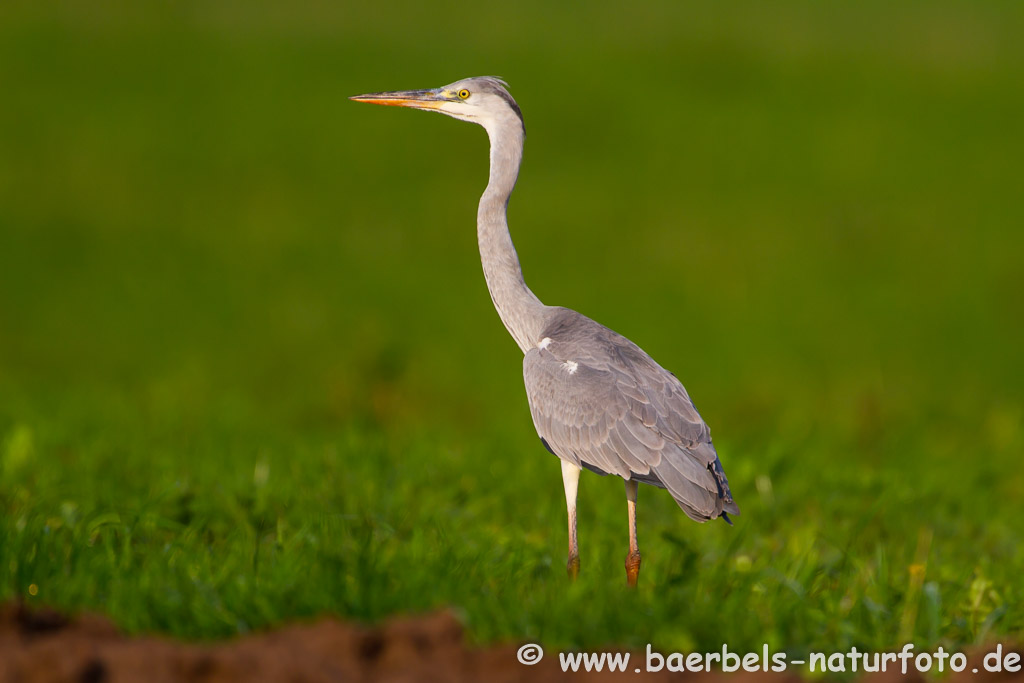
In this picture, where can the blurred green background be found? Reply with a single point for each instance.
(249, 369)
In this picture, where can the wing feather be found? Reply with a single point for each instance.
(599, 401)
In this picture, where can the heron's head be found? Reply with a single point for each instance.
(484, 100)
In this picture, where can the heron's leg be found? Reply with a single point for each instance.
(633, 559)
(570, 480)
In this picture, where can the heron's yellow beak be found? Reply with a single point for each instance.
(417, 99)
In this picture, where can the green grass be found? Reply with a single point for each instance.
(249, 370)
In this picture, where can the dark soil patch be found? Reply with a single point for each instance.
(42, 645)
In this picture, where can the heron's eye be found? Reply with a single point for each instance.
(463, 94)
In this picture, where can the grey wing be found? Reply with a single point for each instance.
(619, 412)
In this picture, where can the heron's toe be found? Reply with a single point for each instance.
(573, 567)
(632, 569)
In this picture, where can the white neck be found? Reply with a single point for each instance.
(520, 310)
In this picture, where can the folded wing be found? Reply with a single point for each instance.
(599, 401)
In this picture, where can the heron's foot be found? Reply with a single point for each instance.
(572, 567)
(632, 569)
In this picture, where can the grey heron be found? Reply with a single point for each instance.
(597, 399)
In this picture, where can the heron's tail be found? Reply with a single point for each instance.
(724, 494)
